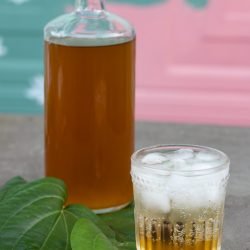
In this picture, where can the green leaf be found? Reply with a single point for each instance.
(87, 236)
(122, 222)
(33, 216)
(127, 246)
(10, 187)
(77, 210)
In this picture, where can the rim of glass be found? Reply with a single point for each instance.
(224, 164)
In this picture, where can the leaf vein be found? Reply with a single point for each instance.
(34, 224)
(27, 205)
(94, 240)
(66, 211)
(35, 186)
(54, 226)
(67, 231)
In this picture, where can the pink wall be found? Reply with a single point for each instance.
(193, 66)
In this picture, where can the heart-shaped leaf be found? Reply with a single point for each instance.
(10, 187)
(87, 236)
(122, 223)
(33, 216)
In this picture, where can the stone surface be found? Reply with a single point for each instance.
(21, 153)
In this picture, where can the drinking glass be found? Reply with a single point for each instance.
(179, 193)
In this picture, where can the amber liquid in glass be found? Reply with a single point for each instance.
(199, 233)
(89, 121)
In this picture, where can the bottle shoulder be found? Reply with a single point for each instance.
(89, 28)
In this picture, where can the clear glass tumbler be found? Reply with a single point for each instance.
(179, 193)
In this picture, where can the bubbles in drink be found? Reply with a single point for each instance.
(179, 199)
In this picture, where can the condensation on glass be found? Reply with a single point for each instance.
(179, 197)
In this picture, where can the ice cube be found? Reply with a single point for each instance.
(155, 201)
(178, 186)
(205, 156)
(201, 192)
(202, 165)
(154, 158)
(179, 164)
(190, 197)
(182, 154)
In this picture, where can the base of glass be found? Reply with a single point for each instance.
(110, 209)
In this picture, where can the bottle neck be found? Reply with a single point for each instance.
(90, 5)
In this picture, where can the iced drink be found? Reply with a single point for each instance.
(179, 197)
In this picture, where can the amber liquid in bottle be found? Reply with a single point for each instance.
(89, 121)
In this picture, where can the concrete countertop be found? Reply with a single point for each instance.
(21, 153)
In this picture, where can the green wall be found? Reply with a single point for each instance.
(21, 48)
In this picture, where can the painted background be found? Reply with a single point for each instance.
(193, 57)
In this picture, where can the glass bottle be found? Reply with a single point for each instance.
(89, 105)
